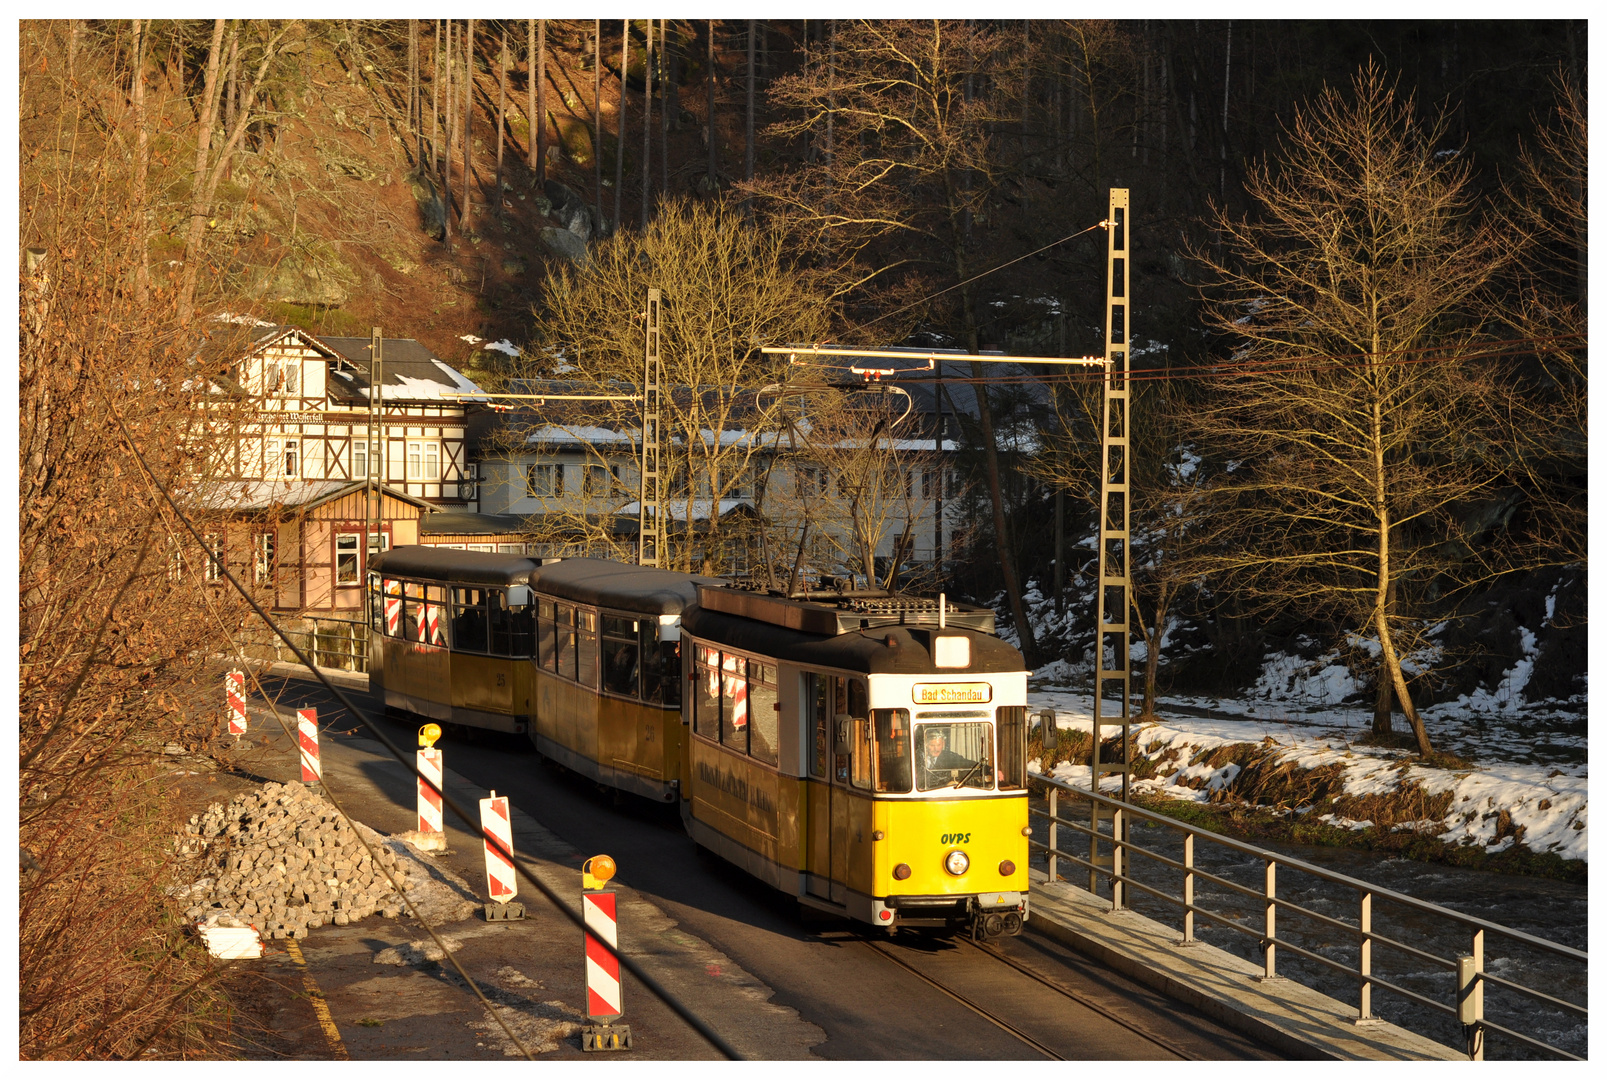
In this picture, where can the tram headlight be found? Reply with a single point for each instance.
(957, 862)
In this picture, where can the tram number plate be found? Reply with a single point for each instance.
(967, 693)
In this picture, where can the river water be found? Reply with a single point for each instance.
(1553, 910)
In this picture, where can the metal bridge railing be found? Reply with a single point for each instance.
(1347, 943)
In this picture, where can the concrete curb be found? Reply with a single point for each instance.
(1286, 1015)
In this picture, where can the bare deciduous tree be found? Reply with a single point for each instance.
(728, 289)
(1350, 413)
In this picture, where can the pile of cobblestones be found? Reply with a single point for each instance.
(282, 859)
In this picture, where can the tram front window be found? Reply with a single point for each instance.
(954, 755)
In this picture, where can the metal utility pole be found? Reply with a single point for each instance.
(373, 486)
(650, 517)
(1115, 582)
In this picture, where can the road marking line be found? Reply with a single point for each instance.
(319, 1005)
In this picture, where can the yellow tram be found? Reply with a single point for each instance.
(863, 752)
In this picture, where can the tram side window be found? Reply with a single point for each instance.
(762, 716)
(413, 611)
(546, 635)
(469, 620)
(817, 706)
(586, 653)
(851, 700)
(621, 656)
(564, 660)
(661, 666)
(519, 629)
(892, 732)
(496, 602)
(376, 605)
(1012, 722)
(706, 692)
(734, 703)
(435, 615)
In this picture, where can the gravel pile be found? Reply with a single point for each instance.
(282, 859)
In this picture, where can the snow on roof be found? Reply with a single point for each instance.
(701, 508)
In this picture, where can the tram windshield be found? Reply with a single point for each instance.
(953, 754)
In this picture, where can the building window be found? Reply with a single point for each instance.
(432, 461)
(595, 481)
(545, 480)
(347, 571)
(415, 461)
(213, 570)
(262, 546)
(281, 376)
(283, 459)
(359, 461)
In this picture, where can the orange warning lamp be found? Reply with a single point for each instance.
(596, 872)
(428, 734)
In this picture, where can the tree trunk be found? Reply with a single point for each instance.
(619, 119)
(647, 123)
(203, 147)
(538, 103)
(596, 112)
(142, 165)
(1388, 658)
(468, 124)
(435, 102)
(708, 82)
(666, 76)
(1384, 699)
(502, 107)
(449, 118)
(747, 164)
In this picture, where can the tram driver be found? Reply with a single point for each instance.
(939, 764)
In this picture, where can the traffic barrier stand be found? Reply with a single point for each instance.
(500, 882)
(307, 734)
(234, 693)
(604, 1002)
(431, 835)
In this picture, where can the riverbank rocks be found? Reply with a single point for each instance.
(285, 861)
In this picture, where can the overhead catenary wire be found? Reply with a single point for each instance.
(680, 1009)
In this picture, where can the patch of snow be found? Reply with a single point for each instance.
(503, 346)
(470, 338)
(240, 320)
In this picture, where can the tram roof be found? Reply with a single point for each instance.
(644, 589)
(450, 564)
(858, 650)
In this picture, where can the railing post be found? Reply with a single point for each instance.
(1364, 964)
(1271, 969)
(1054, 833)
(1118, 859)
(1470, 997)
(1188, 888)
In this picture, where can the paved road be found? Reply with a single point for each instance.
(773, 981)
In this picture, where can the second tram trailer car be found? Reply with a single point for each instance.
(866, 753)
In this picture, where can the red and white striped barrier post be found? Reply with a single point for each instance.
(501, 884)
(234, 692)
(307, 736)
(429, 782)
(604, 1001)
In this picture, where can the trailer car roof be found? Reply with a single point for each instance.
(644, 589)
(449, 564)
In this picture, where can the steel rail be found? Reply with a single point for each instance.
(999, 1022)
(1086, 1002)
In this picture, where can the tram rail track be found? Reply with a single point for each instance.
(886, 951)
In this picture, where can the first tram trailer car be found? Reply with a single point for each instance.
(865, 753)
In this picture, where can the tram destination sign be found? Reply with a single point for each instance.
(953, 693)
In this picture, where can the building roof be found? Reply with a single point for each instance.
(299, 494)
(465, 523)
(412, 371)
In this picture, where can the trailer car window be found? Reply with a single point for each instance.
(734, 703)
(586, 653)
(706, 692)
(621, 666)
(470, 621)
(762, 716)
